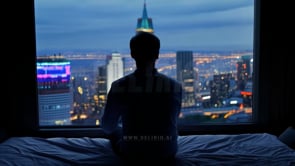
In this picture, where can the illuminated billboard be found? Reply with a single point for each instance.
(53, 75)
(58, 72)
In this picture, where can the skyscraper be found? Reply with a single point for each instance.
(243, 71)
(115, 69)
(101, 89)
(185, 74)
(144, 24)
(54, 90)
(219, 89)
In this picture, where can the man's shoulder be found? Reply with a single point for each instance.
(123, 80)
(168, 83)
(170, 79)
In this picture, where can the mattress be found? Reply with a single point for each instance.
(240, 149)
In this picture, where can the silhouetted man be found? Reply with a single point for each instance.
(143, 107)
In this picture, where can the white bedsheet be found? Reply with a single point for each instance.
(244, 149)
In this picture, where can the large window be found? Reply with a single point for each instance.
(82, 46)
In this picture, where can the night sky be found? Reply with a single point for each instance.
(99, 25)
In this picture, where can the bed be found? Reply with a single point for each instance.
(240, 149)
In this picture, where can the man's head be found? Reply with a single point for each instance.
(144, 47)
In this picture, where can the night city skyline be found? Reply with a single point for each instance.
(226, 38)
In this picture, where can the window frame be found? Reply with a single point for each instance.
(23, 117)
(190, 129)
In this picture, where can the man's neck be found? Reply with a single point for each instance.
(147, 68)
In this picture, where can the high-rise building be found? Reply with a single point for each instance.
(55, 95)
(101, 89)
(186, 75)
(144, 24)
(81, 90)
(82, 98)
(115, 68)
(243, 71)
(220, 89)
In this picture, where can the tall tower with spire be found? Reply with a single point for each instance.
(144, 24)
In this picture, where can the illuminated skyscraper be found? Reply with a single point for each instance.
(54, 91)
(185, 75)
(115, 69)
(219, 89)
(101, 88)
(144, 24)
(243, 71)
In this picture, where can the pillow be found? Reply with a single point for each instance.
(288, 137)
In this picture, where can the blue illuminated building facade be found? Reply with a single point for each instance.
(55, 96)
